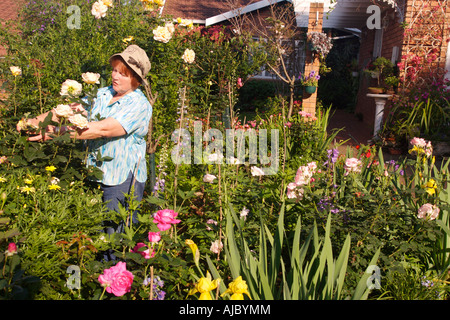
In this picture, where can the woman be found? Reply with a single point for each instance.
(125, 112)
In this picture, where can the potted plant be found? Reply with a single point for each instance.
(309, 82)
(380, 69)
(391, 84)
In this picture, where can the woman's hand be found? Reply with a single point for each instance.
(44, 136)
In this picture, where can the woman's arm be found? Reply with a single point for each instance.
(107, 128)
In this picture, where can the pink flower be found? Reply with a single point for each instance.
(419, 142)
(164, 218)
(352, 165)
(239, 83)
(12, 249)
(117, 279)
(154, 237)
(428, 211)
(145, 253)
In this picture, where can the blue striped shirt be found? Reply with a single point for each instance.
(133, 111)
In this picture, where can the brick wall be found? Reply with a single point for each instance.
(9, 11)
(309, 100)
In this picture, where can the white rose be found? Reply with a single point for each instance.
(91, 78)
(99, 9)
(162, 34)
(188, 56)
(209, 178)
(71, 87)
(170, 26)
(79, 121)
(16, 71)
(63, 111)
(257, 171)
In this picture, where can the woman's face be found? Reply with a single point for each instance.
(121, 82)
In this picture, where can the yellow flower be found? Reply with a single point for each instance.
(128, 39)
(238, 287)
(204, 286)
(50, 168)
(27, 189)
(28, 180)
(431, 187)
(2, 179)
(54, 187)
(195, 251)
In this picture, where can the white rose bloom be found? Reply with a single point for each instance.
(79, 121)
(162, 34)
(209, 178)
(91, 77)
(63, 111)
(16, 71)
(188, 56)
(170, 26)
(257, 171)
(71, 87)
(99, 9)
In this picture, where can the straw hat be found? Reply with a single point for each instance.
(137, 60)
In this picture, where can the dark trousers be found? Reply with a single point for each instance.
(115, 195)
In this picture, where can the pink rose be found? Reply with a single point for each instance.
(428, 211)
(164, 218)
(117, 279)
(154, 237)
(145, 253)
(12, 249)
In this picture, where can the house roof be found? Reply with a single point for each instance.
(200, 10)
(338, 13)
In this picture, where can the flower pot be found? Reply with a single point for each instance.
(375, 90)
(310, 89)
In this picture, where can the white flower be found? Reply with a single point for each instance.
(209, 178)
(99, 9)
(63, 111)
(216, 246)
(79, 121)
(170, 26)
(71, 87)
(188, 56)
(91, 77)
(162, 34)
(244, 212)
(16, 71)
(257, 171)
